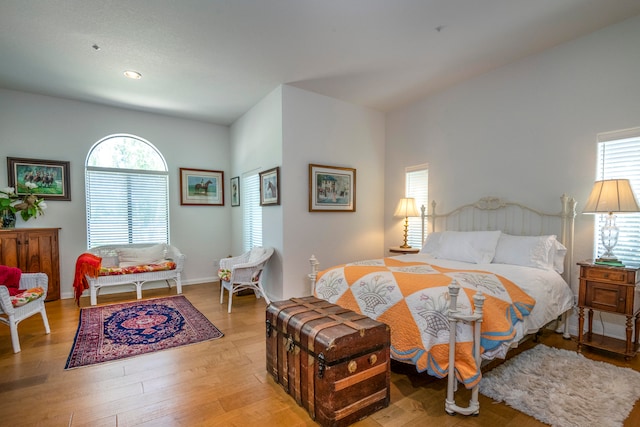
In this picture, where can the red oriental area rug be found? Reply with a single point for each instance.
(118, 331)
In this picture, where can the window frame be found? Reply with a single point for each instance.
(618, 156)
(143, 216)
(417, 186)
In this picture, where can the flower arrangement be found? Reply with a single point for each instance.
(29, 206)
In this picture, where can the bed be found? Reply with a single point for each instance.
(489, 274)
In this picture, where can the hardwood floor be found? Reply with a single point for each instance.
(221, 382)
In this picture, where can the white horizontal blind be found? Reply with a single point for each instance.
(417, 186)
(619, 157)
(252, 212)
(127, 192)
(125, 206)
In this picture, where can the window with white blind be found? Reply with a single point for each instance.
(619, 157)
(417, 186)
(252, 212)
(127, 191)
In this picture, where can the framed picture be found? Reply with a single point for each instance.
(201, 187)
(50, 177)
(235, 191)
(332, 189)
(270, 187)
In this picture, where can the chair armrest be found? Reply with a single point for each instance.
(177, 256)
(229, 263)
(34, 280)
(5, 301)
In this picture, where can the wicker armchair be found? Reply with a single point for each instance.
(246, 273)
(11, 316)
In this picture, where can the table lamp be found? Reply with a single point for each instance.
(611, 196)
(406, 208)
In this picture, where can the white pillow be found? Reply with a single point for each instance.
(431, 243)
(560, 251)
(130, 257)
(528, 251)
(477, 247)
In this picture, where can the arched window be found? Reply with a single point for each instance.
(127, 189)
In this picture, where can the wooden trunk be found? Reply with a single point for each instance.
(332, 361)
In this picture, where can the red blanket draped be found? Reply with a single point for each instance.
(10, 277)
(86, 264)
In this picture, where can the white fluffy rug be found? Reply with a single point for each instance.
(564, 388)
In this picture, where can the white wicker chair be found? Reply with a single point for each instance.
(246, 273)
(11, 316)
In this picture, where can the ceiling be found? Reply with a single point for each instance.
(212, 60)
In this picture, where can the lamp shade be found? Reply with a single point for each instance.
(611, 196)
(407, 207)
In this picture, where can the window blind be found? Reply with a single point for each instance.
(126, 206)
(619, 157)
(417, 186)
(252, 212)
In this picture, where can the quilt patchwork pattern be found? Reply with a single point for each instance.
(413, 299)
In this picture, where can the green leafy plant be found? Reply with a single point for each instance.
(29, 206)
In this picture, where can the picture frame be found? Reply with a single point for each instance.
(201, 187)
(235, 191)
(270, 187)
(332, 189)
(51, 177)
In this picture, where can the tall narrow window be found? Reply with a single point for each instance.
(252, 212)
(417, 186)
(127, 190)
(619, 157)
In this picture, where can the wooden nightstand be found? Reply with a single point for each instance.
(399, 250)
(609, 289)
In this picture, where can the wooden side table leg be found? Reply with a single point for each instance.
(580, 327)
(590, 331)
(629, 333)
(637, 332)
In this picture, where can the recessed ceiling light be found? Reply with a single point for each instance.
(133, 74)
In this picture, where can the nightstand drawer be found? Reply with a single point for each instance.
(609, 275)
(606, 297)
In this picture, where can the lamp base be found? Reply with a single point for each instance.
(405, 246)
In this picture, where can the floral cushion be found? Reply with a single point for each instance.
(114, 271)
(27, 296)
(224, 274)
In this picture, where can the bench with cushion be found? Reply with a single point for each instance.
(135, 264)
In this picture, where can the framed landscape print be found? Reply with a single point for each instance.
(49, 178)
(332, 189)
(201, 187)
(235, 191)
(270, 187)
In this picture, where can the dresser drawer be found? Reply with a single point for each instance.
(604, 274)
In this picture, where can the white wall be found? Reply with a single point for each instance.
(322, 130)
(525, 132)
(257, 146)
(42, 127)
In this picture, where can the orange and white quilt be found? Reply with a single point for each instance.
(413, 299)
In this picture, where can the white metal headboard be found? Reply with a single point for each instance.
(492, 213)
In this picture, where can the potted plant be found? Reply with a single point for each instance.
(29, 206)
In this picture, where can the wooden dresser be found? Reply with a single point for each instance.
(33, 250)
(611, 290)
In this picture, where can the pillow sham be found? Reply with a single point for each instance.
(560, 251)
(130, 257)
(478, 247)
(528, 251)
(431, 243)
